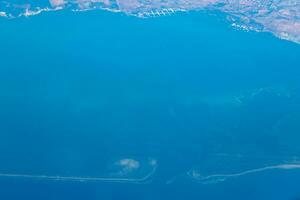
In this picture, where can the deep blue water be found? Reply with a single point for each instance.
(79, 91)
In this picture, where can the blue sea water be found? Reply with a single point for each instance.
(80, 92)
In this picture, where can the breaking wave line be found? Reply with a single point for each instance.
(142, 180)
(215, 178)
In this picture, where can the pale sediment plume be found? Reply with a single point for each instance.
(280, 17)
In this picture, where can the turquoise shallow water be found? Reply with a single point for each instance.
(155, 106)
